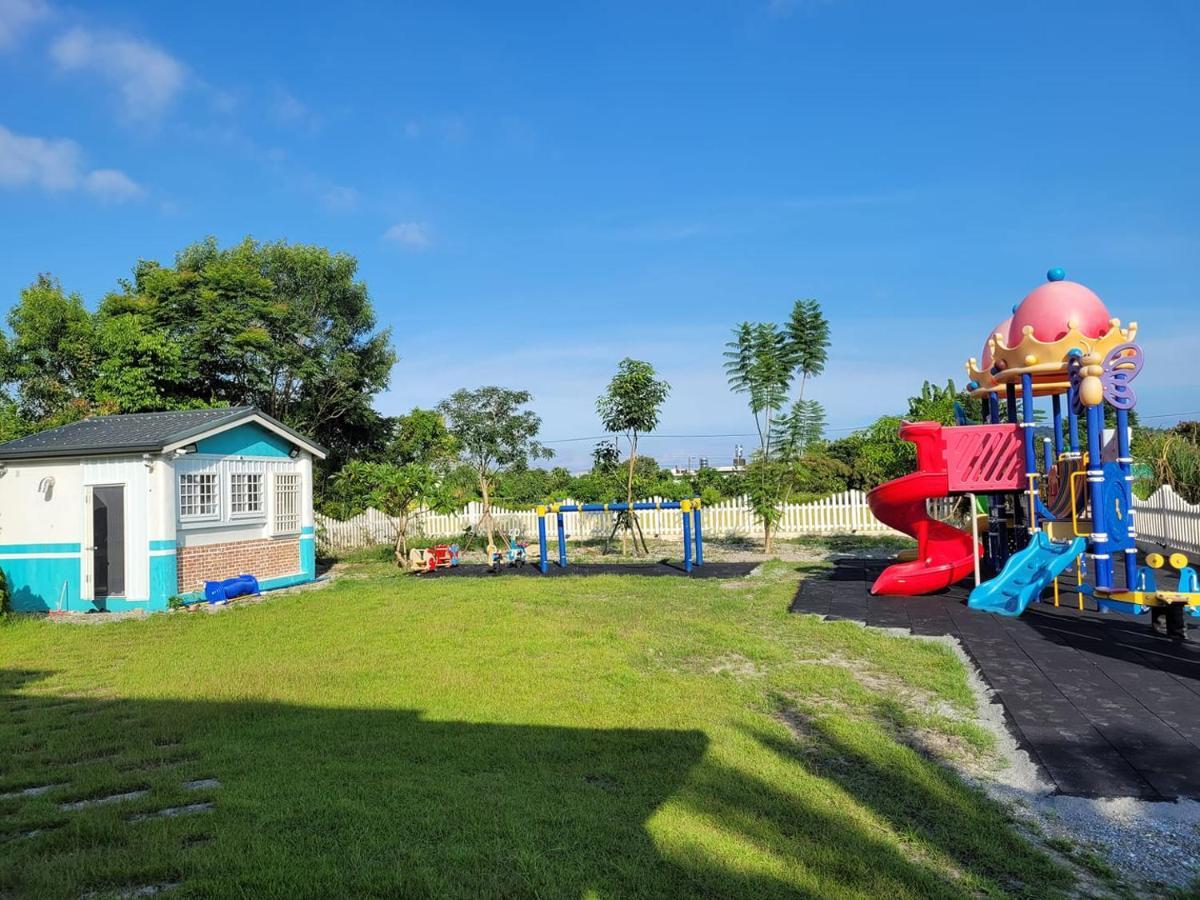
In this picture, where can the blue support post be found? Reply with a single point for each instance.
(1010, 401)
(562, 541)
(1125, 459)
(1056, 402)
(1102, 563)
(1073, 419)
(1047, 455)
(699, 533)
(997, 530)
(687, 536)
(544, 561)
(1030, 453)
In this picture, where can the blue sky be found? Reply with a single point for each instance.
(537, 190)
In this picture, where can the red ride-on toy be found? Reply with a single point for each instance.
(439, 556)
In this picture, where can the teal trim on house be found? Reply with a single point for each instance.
(6, 549)
(264, 585)
(308, 555)
(168, 544)
(37, 584)
(308, 529)
(164, 579)
(250, 439)
(274, 584)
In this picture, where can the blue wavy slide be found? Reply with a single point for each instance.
(1026, 574)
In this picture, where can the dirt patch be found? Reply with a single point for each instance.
(737, 665)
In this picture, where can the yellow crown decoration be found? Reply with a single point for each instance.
(1041, 359)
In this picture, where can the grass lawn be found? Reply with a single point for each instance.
(592, 737)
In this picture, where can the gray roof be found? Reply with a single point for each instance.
(132, 433)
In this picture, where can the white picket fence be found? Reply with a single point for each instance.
(843, 513)
(1166, 518)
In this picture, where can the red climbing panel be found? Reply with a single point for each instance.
(984, 458)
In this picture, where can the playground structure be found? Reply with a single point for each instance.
(1044, 512)
(693, 533)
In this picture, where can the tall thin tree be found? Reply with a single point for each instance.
(762, 361)
(631, 406)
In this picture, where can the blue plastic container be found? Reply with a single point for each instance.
(230, 588)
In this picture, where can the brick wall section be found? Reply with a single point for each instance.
(266, 558)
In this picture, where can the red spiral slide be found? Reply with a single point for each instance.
(945, 554)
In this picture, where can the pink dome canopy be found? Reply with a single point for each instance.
(985, 358)
(1051, 306)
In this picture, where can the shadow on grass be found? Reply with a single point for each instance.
(919, 798)
(316, 801)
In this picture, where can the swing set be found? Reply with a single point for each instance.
(693, 533)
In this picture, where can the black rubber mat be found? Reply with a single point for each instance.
(661, 567)
(1107, 707)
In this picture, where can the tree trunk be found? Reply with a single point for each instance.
(404, 534)
(485, 492)
(629, 499)
(768, 536)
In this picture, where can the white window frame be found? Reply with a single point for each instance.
(297, 493)
(261, 511)
(212, 516)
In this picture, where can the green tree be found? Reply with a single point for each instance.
(50, 358)
(808, 341)
(421, 437)
(493, 431)
(286, 327)
(759, 363)
(802, 427)
(631, 405)
(762, 361)
(403, 493)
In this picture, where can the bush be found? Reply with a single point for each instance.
(5, 595)
(1173, 457)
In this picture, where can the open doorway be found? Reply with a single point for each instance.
(108, 541)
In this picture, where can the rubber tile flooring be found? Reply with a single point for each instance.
(1106, 707)
(660, 567)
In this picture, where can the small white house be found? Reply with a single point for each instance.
(123, 512)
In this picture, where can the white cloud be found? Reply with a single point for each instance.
(449, 129)
(290, 110)
(112, 184)
(50, 164)
(413, 235)
(56, 165)
(147, 78)
(339, 198)
(16, 17)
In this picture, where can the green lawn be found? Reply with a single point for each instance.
(590, 737)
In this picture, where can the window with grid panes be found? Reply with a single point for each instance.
(287, 502)
(245, 493)
(199, 495)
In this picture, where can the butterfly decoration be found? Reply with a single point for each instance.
(1095, 381)
(1120, 367)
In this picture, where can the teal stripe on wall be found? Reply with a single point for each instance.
(40, 584)
(308, 529)
(164, 579)
(163, 545)
(39, 548)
